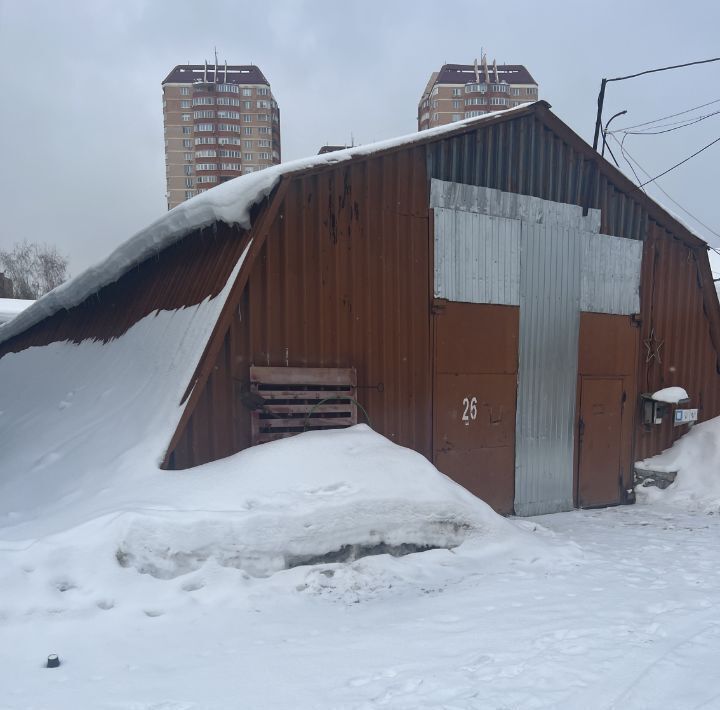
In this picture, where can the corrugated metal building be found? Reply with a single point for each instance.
(503, 295)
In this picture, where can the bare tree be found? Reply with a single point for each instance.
(34, 269)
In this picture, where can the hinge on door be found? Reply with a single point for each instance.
(623, 399)
(581, 428)
(437, 306)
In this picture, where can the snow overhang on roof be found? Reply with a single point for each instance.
(230, 202)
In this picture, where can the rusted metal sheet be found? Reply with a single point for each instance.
(345, 278)
(610, 274)
(549, 324)
(477, 257)
(537, 155)
(489, 332)
(607, 345)
(676, 336)
(600, 476)
(341, 281)
(475, 385)
(189, 271)
(608, 348)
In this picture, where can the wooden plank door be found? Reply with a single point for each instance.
(600, 440)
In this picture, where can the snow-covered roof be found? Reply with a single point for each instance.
(11, 307)
(230, 202)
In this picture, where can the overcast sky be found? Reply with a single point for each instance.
(81, 125)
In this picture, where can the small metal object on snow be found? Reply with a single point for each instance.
(53, 661)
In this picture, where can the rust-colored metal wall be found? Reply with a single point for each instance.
(677, 314)
(608, 349)
(184, 274)
(342, 281)
(475, 394)
(536, 154)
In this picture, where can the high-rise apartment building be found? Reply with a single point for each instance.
(220, 121)
(460, 91)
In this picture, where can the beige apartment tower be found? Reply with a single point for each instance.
(460, 91)
(220, 121)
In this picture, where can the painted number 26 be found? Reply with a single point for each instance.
(470, 411)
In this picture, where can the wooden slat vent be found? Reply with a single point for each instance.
(289, 400)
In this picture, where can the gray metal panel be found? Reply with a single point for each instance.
(477, 258)
(525, 155)
(610, 274)
(549, 325)
(485, 200)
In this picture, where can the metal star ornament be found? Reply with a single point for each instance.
(653, 347)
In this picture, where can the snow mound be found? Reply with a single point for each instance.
(696, 458)
(304, 515)
(317, 497)
(671, 395)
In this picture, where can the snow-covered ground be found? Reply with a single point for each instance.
(630, 618)
(164, 607)
(212, 588)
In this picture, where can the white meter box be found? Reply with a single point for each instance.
(685, 416)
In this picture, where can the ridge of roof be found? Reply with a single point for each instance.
(464, 73)
(237, 74)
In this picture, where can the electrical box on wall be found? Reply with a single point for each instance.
(685, 416)
(653, 411)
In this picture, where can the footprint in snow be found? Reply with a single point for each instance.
(65, 585)
(193, 586)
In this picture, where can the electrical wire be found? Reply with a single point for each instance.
(654, 71)
(630, 158)
(672, 115)
(622, 150)
(667, 127)
(682, 162)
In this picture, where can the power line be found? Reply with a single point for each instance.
(622, 150)
(604, 83)
(675, 66)
(672, 115)
(629, 158)
(682, 162)
(668, 127)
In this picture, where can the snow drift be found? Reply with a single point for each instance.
(696, 458)
(316, 497)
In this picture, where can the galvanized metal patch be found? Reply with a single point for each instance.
(477, 249)
(610, 274)
(485, 200)
(547, 369)
(477, 257)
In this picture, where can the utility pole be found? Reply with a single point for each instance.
(605, 82)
